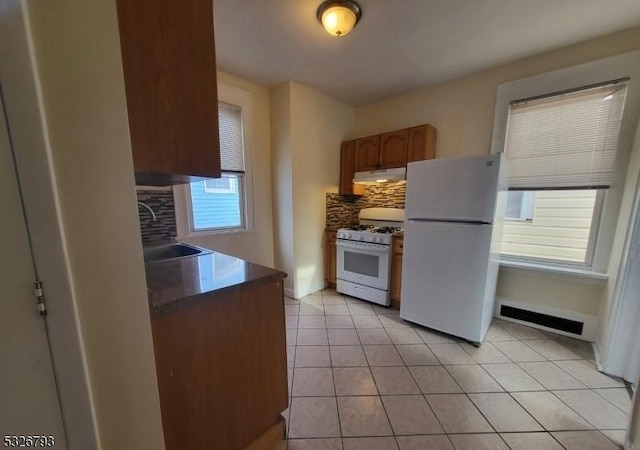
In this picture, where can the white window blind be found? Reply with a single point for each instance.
(231, 142)
(565, 141)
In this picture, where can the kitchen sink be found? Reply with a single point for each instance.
(172, 251)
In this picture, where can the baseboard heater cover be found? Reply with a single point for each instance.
(557, 323)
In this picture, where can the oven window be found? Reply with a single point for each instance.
(361, 263)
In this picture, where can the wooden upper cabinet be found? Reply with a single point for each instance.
(367, 153)
(168, 56)
(347, 169)
(384, 151)
(393, 149)
(422, 143)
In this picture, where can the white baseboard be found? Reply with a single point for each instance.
(289, 293)
(589, 330)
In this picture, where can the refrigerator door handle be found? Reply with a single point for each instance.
(465, 222)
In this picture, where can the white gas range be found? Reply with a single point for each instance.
(364, 254)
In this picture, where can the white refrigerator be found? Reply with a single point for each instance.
(454, 209)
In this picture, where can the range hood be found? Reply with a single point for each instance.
(380, 176)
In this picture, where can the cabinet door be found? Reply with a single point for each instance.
(422, 143)
(331, 255)
(393, 149)
(347, 169)
(396, 270)
(216, 374)
(168, 57)
(367, 153)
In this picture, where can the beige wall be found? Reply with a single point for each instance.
(549, 289)
(462, 110)
(80, 71)
(319, 125)
(307, 128)
(282, 172)
(255, 245)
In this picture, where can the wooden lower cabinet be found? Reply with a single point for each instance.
(222, 369)
(330, 254)
(395, 287)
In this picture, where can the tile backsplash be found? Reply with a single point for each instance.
(164, 227)
(342, 210)
(387, 195)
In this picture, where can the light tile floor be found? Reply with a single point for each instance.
(362, 378)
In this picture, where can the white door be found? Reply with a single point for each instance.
(444, 276)
(28, 394)
(458, 189)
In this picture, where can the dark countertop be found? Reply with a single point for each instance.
(177, 283)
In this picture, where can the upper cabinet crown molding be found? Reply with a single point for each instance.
(168, 57)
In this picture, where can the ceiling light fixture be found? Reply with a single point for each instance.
(339, 17)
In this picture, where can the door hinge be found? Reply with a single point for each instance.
(39, 293)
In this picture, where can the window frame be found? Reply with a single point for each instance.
(582, 75)
(232, 189)
(214, 230)
(591, 243)
(527, 205)
(182, 194)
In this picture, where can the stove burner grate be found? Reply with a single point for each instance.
(386, 230)
(359, 228)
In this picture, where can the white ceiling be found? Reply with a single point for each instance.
(401, 45)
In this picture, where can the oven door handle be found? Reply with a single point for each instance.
(369, 247)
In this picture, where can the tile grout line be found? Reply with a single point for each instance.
(333, 379)
(404, 364)
(424, 396)
(574, 410)
(293, 376)
(601, 396)
(379, 395)
(416, 382)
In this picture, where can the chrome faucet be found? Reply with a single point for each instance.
(150, 210)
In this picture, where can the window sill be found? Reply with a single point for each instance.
(598, 277)
(229, 231)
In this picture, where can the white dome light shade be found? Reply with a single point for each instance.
(338, 17)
